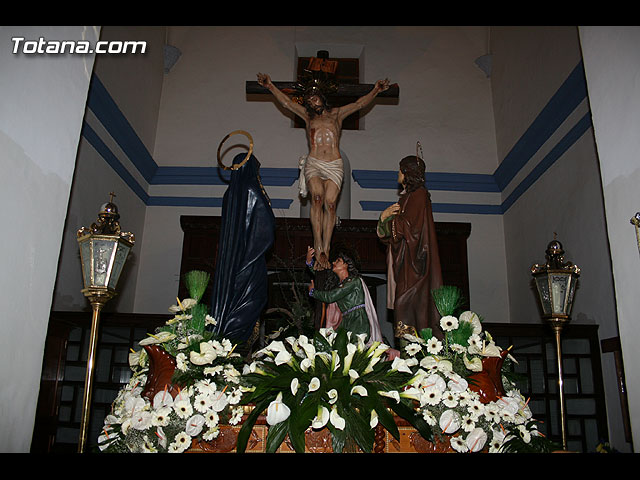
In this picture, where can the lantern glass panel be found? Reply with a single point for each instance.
(542, 283)
(118, 263)
(85, 256)
(559, 290)
(103, 250)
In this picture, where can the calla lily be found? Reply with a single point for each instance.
(321, 418)
(207, 354)
(335, 419)
(400, 365)
(353, 376)
(306, 364)
(294, 385)
(372, 363)
(282, 357)
(277, 411)
(351, 351)
(359, 390)
(373, 422)
(412, 393)
(333, 396)
(314, 384)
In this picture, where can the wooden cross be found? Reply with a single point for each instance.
(344, 89)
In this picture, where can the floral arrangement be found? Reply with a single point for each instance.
(207, 373)
(447, 395)
(334, 380)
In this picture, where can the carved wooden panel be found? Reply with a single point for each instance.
(293, 235)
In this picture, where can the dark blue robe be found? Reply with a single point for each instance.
(247, 233)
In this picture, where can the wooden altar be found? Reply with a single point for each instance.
(293, 235)
(319, 441)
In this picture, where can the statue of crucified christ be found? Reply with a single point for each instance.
(321, 170)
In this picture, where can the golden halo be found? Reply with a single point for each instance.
(236, 166)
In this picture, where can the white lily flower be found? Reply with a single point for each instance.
(475, 364)
(436, 381)
(183, 306)
(314, 384)
(294, 385)
(351, 351)
(362, 338)
(306, 364)
(335, 361)
(333, 396)
(277, 411)
(209, 320)
(321, 418)
(160, 337)
(353, 375)
(282, 357)
(373, 422)
(473, 319)
(400, 365)
(134, 404)
(335, 418)
(412, 393)
(372, 363)
(207, 354)
(359, 390)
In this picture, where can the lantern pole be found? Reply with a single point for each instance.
(97, 303)
(556, 307)
(101, 268)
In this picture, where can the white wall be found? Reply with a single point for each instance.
(612, 69)
(531, 66)
(134, 83)
(43, 98)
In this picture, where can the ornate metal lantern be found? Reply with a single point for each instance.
(556, 282)
(103, 251)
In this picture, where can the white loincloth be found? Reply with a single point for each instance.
(312, 167)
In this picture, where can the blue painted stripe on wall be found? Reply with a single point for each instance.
(459, 182)
(104, 151)
(564, 101)
(278, 203)
(469, 208)
(106, 110)
(272, 177)
(562, 104)
(556, 152)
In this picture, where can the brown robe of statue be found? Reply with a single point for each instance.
(413, 262)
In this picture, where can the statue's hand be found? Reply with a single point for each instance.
(389, 211)
(383, 85)
(310, 253)
(263, 79)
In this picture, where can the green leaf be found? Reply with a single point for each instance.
(276, 435)
(358, 428)
(416, 421)
(247, 426)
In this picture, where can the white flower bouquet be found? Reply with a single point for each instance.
(205, 389)
(332, 381)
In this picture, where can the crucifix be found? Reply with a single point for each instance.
(321, 171)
